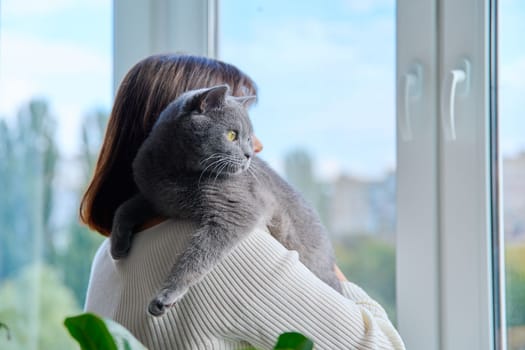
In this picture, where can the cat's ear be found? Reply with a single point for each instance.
(207, 99)
(246, 101)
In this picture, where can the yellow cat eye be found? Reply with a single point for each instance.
(231, 135)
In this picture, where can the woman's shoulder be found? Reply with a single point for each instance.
(260, 262)
(262, 289)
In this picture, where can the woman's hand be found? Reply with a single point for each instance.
(339, 274)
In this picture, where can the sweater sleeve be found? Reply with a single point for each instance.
(271, 292)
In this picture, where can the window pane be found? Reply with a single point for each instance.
(55, 92)
(511, 84)
(325, 72)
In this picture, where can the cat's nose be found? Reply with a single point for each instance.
(248, 155)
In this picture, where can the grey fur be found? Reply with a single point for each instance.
(188, 169)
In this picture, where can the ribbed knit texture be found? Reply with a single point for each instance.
(259, 291)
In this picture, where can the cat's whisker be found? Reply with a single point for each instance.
(225, 164)
(214, 155)
(216, 166)
(212, 164)
(252, 173)
(219, 163)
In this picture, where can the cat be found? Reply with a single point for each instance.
(198, 163)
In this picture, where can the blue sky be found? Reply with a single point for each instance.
(59, 50)
(326, 75)
(325, 70)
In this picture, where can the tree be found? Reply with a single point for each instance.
(370, 263)
(515, 284)
(83, 243)
(28, 155)
(298, 168)
(34, 305)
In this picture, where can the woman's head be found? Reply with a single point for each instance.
(144, 92)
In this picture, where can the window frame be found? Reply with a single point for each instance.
(143, 28)
(417, 236)
(465, 230)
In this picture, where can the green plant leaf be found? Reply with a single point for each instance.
(90, 332)
(8, 335)
(94, 333)
(293, 341)
(124, 339)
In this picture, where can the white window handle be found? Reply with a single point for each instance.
(412, 83)
(457, 82)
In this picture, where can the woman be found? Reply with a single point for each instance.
(257, 292)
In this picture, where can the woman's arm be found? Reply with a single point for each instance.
(270, 292)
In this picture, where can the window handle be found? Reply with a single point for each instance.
(455, 83)
(412, 83)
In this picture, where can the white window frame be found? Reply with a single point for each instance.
(417, 239)
(146, 27)
(445, 195)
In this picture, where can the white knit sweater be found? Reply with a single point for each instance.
(259, 291)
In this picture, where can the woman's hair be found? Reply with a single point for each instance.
(143, 93)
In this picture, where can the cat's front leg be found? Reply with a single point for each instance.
(206, 249)
(164, 300)
(129, 215)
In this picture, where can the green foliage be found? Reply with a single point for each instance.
(370, 263)
(75, 261)
(90, 332)
(33, 304)
(28, 159)
(94, 333)
(83, 243)
(93, 127)
(515, 284)
(293, 341)
(8, 332)
(30, 190)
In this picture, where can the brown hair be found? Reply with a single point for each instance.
(144, 92)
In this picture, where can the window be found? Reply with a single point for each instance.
(55, 94)
(326, 115)
(401, 161)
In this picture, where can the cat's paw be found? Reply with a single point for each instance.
(157, 308)
(164, 300)
(119, 250)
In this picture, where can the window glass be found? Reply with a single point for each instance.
(55, 92)
(325, 72)
(511, 89)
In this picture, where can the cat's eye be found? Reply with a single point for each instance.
(231, 135)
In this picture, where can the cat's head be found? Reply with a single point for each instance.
(208, 130)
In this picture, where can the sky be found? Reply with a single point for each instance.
(325, 71)
(58, 50)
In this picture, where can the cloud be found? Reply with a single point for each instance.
(35, 66)
(310, 44)
(325, 85)
(48, 57)
(296, 46)
(321, 69)
(71, 77)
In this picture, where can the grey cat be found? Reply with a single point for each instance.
(198, 163)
